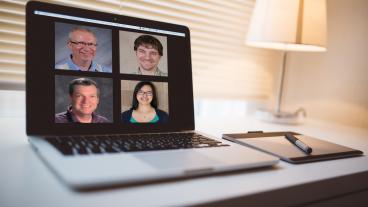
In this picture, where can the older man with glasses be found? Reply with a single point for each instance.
(83, 45)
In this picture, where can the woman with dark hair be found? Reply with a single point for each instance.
(144, 106)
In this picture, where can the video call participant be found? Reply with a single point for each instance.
(149, 51)
(84, 96)
(82, 45)
(144, 106)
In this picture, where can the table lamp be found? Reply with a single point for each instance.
(287, 25)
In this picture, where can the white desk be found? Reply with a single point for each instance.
(26, 181)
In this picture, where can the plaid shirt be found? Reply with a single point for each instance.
(157, 73)
(68, 117)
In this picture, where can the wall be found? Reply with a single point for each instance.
(333, 86)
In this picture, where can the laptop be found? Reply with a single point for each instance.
(109, 101)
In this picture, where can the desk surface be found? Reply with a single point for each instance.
(26, 181)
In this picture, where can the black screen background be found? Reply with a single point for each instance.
(40, 74)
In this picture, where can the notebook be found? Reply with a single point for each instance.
(275, 143)
(109, 101)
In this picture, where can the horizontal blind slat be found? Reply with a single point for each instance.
(212, 6)
(12, 47)
(16, 7)
(12, 67)
(11, 37)
(193, 11)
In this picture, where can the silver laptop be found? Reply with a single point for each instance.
(110, 101)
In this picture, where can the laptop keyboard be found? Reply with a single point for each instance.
(84, 145)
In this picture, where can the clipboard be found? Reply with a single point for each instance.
(276, 144)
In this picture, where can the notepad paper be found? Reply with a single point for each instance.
(281, 147)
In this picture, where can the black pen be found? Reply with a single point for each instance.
(298, 143)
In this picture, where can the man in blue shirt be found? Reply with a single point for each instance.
(83, 45)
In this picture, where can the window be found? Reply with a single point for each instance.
(223, 66)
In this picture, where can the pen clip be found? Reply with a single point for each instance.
(250, 132)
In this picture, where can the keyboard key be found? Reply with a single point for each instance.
(82, 151)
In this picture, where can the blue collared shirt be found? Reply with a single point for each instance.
(68, 64)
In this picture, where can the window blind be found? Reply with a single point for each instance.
(223, 66)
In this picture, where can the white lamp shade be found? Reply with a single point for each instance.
(289, 25)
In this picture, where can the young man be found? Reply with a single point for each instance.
(82, 45)
(84, 98)
(149, 51)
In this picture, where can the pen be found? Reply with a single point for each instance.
(298, 143)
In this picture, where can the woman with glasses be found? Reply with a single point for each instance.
(144, 106)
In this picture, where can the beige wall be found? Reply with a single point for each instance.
(333, 86)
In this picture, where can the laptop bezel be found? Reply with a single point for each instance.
(37, 81)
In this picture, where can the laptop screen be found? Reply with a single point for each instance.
(91, 72)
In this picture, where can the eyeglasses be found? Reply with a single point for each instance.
(148, 93)
(84, 44)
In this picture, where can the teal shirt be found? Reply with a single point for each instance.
(154, 120)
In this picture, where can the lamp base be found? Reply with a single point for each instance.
(281, 117)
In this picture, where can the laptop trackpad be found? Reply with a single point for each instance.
(170, 160)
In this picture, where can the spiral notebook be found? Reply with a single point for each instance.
(276, 144)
